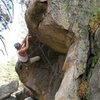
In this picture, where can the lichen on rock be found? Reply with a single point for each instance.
(60, 35)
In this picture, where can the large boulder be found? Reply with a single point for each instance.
(43, 77)
(10, 98)
(28, 98)
(42, 25)
(7, 90)
(60, 36)
(94, 83)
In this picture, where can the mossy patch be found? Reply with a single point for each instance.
(95, 21)
(83, 88)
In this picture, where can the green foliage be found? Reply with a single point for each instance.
(94, 59)
(6, 13)
(96, 16)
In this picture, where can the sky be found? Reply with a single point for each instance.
(17, 33)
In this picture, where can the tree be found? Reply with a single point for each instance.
(2, 40)
(6, 13)
(6, 17)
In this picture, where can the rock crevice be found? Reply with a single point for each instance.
(60, 37)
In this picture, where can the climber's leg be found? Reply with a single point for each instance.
(34, 59)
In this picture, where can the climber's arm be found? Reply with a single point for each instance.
(24, 48)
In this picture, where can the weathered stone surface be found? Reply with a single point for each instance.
(10, 98)
(63, 26)
(24, 93)
(97, 38)
(28, 98)
(46, 29)
(6, 90)
(68, 91)
(94, 84)
(74, 66)
(76, 58)
(44, 76)
(71, 14)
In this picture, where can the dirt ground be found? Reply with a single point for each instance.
(7, 73)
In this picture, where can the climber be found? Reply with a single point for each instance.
(22, 52)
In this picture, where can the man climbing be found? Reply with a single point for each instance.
(22, 52)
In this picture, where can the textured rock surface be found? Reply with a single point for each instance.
(10, 98)
(97, 39)
(46, 29)
(69, 86)
(72, 18)
(63, 26)
(6, 90)
(29, 98)
(43, 77)
(94, 83)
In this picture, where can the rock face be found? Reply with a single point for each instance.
(43, 77)
(94, 83)
(29, 98)
(60, 35)
(10, 98)
(7, 90)
(94, 86)
(41, 24)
